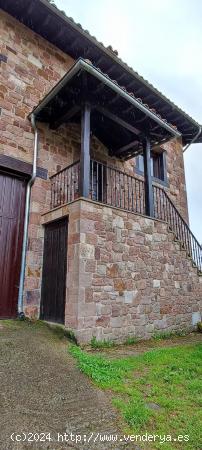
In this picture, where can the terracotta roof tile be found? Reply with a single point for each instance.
(131, 94)
(135, 73)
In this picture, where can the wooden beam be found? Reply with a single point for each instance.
(65, 117)
(85, 151)
(47, 20)
(99, 60)
(8, 163)
(138, 91)
(148, 97)
(117, 120)
(167, 108)
(126, 147)
(149, 201)
(162, 142)
(121, 78)
(142, 119)
(127, 110)
(31, 7)
(155, 134)
(132, 155)
(115, 98)
(73, 45)
(109, 70)
(100, 88)
(129, 85)
(59, 34)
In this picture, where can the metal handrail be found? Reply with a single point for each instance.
(116, 188)
(64, 168)
(65, 185)
(165, 209)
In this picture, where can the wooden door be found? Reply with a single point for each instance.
(12, 206)
(54, 272)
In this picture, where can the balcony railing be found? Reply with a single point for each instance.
(65, 185)
(107, 185)
(115, 188)
(164, 209)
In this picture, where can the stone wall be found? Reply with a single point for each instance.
(32, 67)
(126, 276)
(176, 176)
(29, 69)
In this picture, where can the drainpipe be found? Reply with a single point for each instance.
(194, 139)
(26, 221)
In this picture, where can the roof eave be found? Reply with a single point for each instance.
(82, 64)
(115, 58)
(108, 53)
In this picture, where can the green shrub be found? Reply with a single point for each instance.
(199, 327)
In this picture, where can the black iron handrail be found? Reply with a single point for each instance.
(164, 209)
(116, 188)
(65, 185)
(107, 185)
(65, 168)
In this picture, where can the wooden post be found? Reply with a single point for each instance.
(85, 151)
(149, 199)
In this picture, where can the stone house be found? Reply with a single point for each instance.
(94, 227)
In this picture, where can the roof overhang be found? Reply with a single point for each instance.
(53, 25)
(118, 119)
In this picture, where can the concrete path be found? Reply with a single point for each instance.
(42, 391)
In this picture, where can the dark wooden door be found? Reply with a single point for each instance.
(12, 205)
(54, 272)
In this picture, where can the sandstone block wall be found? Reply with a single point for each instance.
(126, 276)
(30, 67)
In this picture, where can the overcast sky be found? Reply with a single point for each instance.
(162, 40)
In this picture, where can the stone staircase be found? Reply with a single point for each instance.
(164, 209)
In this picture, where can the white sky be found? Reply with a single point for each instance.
(162, 40)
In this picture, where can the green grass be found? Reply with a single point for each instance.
(131, 341)
(101, 344)
(171, 378)
(57, 330)
(169, 334)
(60, 331)
(109, 343)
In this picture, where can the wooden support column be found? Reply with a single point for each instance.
(85, 151)
(149, 200)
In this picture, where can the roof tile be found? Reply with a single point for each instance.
(131, 94)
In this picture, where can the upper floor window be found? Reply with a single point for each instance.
(158, 165)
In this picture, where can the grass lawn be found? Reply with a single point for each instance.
(158, 392)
